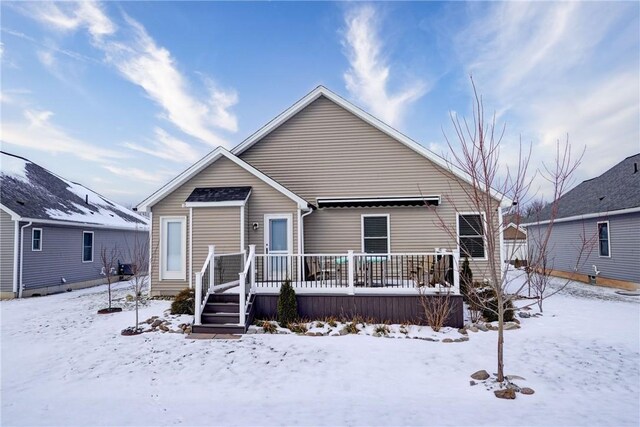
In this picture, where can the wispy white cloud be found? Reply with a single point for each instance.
(552, 69)
(368, 76)
(140, 60)
(37, 131)
(166, 147)
(138, 174)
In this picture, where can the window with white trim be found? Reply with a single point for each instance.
(173, 243)
(375, 234)
(87, 246)
(471, 235)
(36, 239)
(604, 244)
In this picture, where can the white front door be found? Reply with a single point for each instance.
(278, 238)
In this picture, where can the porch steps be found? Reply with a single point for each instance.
(220, 315)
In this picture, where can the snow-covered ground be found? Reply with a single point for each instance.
(63, 364)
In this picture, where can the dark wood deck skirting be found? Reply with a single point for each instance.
(381, 308)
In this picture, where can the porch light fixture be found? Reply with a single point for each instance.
(255, 226)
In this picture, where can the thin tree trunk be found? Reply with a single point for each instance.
(500, 335)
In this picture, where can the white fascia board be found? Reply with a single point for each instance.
(14, 216)
(376, 199)
(373, 121)
(511, 224)
(214, 204)
(585, 216)
(85, 224)
(207, 161)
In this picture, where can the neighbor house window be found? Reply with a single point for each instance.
(375, 234)
(604, 245)
(173, 247)
(87, 246)
(36, 239)
(471, 235)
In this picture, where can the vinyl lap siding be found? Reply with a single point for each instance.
(326, 151)
(215, 226)
(624, 233)
(61, 254)
(264, 199)
(7, 233)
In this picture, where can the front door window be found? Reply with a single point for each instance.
(277, 246)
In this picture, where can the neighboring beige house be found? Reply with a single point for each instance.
(514, 243)
(320, 180)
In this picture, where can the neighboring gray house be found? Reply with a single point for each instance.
(605, 210)
(52, 231)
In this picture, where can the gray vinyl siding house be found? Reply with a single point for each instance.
(328, 178)
(52, 231)
(605, 211)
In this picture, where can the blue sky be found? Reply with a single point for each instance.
(123, 96)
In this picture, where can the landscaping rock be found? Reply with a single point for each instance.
(472, 383)
(480, 375)
(156, 323)
(447, 340)
(510, 326)
(473, 328)
(523, 315)
(513, 377)
(482, 327)
(343, 331)
(526, 390)
(507, 393)
(462, 331)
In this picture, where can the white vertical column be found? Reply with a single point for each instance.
(350, 275)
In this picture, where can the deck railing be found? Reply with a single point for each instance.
(351, 272)
(204, 285)
(246, 281)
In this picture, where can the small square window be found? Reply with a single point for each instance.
(375, 234)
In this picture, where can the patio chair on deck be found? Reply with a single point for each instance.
(320, 270)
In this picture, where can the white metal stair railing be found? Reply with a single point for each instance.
(247, 279)
(206, 274)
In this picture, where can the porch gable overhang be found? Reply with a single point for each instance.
(205, 162)
(218, 197)
(360, 202)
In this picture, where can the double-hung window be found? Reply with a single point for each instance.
(173, 248)
(375, 234)
(87, 246)
(36, 239)
(604, 244)
(471, 235)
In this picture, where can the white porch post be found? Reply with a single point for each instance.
(212, 264)
(197, 312)
(252, 268)
(242, 228)
(350, 275)
(243, 296)
(190, 248)
(456, 270)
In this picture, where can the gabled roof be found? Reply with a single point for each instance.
(203, 163)
(615, 191)
(368, 118)
(30, 192)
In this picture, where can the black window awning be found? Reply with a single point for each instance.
(367, 202)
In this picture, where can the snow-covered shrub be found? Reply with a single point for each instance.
(287, 304)
(382, 329)
(352, 328)
(488, 303)
(184, 303)
(298, 328)
(331, 321)
(268, 327)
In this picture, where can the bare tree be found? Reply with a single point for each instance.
(139, 255)
(493, 186)
(534, 207)
(109, 264)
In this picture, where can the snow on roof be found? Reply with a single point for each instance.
(33, 192)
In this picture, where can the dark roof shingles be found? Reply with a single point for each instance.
(219, 194)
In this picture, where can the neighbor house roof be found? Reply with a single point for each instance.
(30, 192)
(615, 191)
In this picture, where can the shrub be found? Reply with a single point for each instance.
(466, 279)
(331, 321)
(287, 304)
(382, 330)
(184, 302)
(298, 328)
(268, 327)
(488, 303)
(319, 324)
(352, 328)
